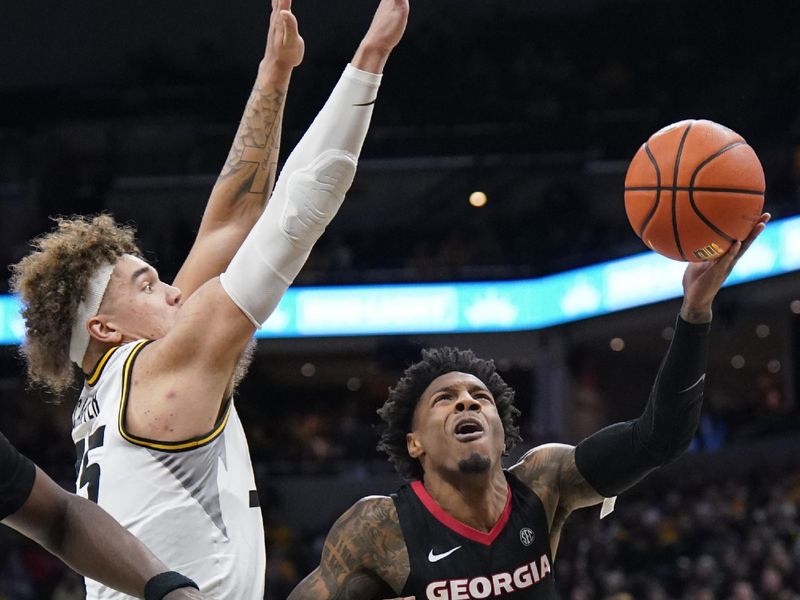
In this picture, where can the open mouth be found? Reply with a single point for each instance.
(468, 430)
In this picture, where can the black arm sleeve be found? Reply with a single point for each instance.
(619, 456)
(17, 474)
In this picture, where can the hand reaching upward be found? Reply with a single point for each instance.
(385, 32)
(702, 281)
(285, 47)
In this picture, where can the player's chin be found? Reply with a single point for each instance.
(475, 463)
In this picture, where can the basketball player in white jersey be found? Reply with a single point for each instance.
(160, 444)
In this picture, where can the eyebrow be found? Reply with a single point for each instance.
(471, 388)
(138, 272)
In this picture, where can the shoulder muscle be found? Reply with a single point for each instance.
(550, 470)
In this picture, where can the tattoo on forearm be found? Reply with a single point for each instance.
(254, 154)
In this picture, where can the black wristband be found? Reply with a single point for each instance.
(164, 583)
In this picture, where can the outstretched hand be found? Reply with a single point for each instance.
(384, 33)
(388, 25)
(702, 281)
(285, 47)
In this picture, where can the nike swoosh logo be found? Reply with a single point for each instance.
(695, 384)
(436, 557)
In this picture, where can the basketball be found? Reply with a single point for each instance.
(693, 189)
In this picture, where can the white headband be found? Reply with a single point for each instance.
(88, 307)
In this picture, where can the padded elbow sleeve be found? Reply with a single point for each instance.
(308, 194)
(277, 248)
(314, 197)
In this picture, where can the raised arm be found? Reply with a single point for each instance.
(89, 540)
(617, 457)
(316, 176)
(248, 175)
(614, 459)
(215, 323)
(311, 188)
(363, 558)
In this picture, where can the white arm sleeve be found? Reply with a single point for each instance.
(308, 194)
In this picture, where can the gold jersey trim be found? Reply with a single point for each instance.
(98, 368)
(179, 446)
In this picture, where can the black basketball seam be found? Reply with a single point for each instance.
(703, 218)
(716, 154)
(649, 217)
(650, 188)
(675, 191)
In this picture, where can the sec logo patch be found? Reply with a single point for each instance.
(526, 536)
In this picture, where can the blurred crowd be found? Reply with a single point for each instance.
(734, 540)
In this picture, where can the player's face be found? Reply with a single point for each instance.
(137, 303)
(456, 426)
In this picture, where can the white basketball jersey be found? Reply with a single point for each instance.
(193, 503)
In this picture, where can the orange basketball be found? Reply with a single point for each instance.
(693, 189)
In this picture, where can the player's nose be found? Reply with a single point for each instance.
(173, 295)
(466, 402)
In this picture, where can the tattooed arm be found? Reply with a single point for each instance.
(551, 472)
(245, 183)
(364, 556)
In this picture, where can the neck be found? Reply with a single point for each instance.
(475, 500)
(93, 354)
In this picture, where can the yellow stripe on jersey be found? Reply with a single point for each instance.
(155, 444)
(98, 369)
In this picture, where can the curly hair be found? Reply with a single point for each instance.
(398, 410)
(51, 281)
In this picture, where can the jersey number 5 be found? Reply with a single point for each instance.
(89, 473)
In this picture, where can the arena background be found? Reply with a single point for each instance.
(131, 107)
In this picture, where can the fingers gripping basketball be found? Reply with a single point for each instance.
(693, 189)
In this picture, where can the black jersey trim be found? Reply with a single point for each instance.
(446, 519)
(179, 446)
(98, 368)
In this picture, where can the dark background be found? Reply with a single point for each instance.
(131, 108)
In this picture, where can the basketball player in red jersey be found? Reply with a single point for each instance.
(463, 527)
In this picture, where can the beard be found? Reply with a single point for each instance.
(475, 464)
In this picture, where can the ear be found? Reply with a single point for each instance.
(414, 445)
(103, 330)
